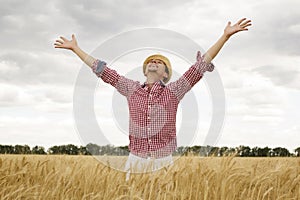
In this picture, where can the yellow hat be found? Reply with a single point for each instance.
(159, 57)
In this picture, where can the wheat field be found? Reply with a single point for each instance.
(84, 177)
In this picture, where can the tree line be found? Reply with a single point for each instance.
(94, 149)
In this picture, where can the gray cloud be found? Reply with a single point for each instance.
(284, 76)
(32, 25)
(23, 67)
(273, 28)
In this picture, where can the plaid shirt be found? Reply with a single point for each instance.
(152, 123)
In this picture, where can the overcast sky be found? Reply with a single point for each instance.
(260, 68)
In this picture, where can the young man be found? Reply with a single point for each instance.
(153, 104)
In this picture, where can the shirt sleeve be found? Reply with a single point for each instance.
(185, 83)
(123, 85)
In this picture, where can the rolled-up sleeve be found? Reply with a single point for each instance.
(124, 85)
(185, 83)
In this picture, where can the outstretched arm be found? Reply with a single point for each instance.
(203, 64)
(229, 30)
(124, 85)
(73, 46)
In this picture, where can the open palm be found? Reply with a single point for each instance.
(241, 25)
(66, 44)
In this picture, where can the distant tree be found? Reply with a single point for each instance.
(38, 150)
(204, 150)
(93, 149)
(83, 151)
(263, 152)
(22, 149)
(124, 151)
(180, 151)
(71, 149)
(194, 150)
(243, 151)
(107, 150)
(54, 150)
(222, 151)
(297, 151)
(282, 152)
(231, 151)
(6, 149)
(254, 151)
(227, 151)
(125, 148)
(188, 151)
(214, 151)
(208, 151)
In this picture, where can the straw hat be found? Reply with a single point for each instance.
(159, 57)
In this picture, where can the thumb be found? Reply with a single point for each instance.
(228, 24)
(73, 37)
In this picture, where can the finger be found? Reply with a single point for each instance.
(57, 44)
(229, 23)
(241, 20)
(245, 29)
(244, 23)
(63, 38)
(248, 25)
(59, 41)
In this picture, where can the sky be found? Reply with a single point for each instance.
(259, 68)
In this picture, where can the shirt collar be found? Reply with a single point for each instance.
(160, 82)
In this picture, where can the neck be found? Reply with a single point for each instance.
(152, 78)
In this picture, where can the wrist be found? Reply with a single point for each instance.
(75, 49)
(225, 37)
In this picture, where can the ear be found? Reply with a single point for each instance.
(166, 75)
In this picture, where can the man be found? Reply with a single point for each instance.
(153, 104)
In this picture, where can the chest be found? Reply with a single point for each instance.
(144, 100)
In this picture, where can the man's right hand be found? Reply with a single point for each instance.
(73, 46)
(66, 44)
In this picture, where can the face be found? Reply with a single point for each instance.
(156, 66)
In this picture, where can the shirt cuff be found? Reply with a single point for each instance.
(98, 66)
(203, 66)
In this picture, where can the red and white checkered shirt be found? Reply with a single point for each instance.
(152, 124)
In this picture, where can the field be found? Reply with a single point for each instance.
(84, 177)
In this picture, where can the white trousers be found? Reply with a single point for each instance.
(136, 164)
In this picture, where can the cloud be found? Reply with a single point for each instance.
(275, 30)
(285, 76)
(21, 67)
(37, 130)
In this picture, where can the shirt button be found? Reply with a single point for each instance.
(149, 106)
(148, 117)
(150, 140)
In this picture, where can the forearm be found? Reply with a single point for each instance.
(214, 50)
(87, 59)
